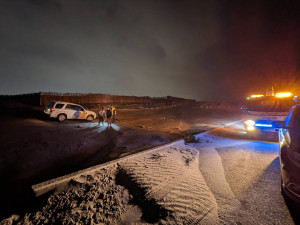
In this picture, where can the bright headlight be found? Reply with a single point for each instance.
(250, 127)
(283, 94)
(249, 122)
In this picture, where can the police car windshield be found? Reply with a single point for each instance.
(270, 104)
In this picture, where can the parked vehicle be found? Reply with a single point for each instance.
(66, 110)
(266, 113)
(289, 140)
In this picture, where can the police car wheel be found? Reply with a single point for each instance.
(90, 118)
(61, 117)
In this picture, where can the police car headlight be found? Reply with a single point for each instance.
(249, 122)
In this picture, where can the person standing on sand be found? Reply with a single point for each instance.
(108, 116)
(101, 116)
(104, 113)
(114, 113)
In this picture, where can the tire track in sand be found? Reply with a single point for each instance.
(172, 178)
(211, 167)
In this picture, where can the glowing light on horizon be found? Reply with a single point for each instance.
(256, 96)
(283, 94)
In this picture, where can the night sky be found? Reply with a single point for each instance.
(204, 50)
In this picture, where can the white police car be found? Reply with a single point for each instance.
(66, 110)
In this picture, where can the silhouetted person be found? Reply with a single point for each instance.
(101, 115)
(114, 113)
(108, 116)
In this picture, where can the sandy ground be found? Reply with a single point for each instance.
(244, 177)
(216, 177)
(215, 180)
(162, 186)
(35, 149)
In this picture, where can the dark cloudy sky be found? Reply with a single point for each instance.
(214, 49)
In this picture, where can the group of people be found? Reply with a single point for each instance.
(108, 114)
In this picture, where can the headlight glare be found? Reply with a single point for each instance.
(250, 127)
(249, 122)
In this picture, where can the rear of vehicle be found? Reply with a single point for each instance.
(52, 108)
(289, 140)
(56, 110)
(265, 114)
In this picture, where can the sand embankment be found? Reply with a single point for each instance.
(162, 185)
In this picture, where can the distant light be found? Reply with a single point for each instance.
(248, 98)
(283, 94)
(256, 96)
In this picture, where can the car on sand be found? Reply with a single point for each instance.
(289, 154)
(66, 110)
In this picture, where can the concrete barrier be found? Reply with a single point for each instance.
(53, 184)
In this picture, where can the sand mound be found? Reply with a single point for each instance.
(162, 186)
